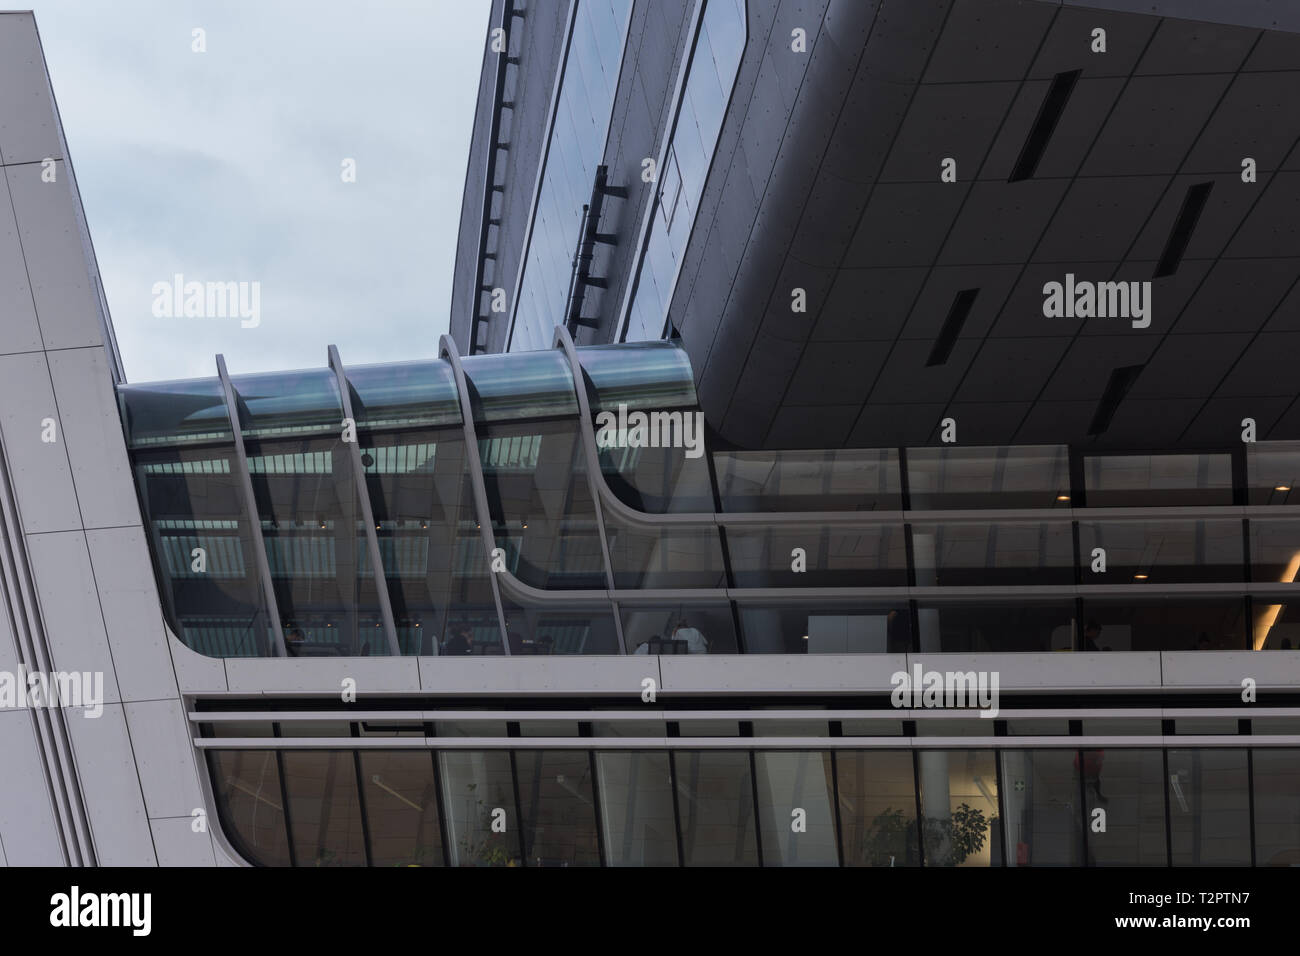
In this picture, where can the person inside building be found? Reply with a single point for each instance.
(695, 642)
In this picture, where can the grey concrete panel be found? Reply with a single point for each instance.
(66, 304)
(164, 757)
(373, 675)
(128, 597)
(813, 673)
(177, 844)
(27, 822)
(41, 474)
(1053, 671)
(83, 385)
(195, 673)
(537, 675)
(21, 331)
(29, 129)
(1227, 669)
(106, 767)
(74, 625)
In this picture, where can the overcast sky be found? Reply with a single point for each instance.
(225, 166)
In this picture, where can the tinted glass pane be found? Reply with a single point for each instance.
(1010, 477)
(644, 556)
(1011, 553)
(559, 814)
(1274, 550)
(434, 559)
(1044, 825)
(959, 803)
(657, 480)
(288, 403)
(1209, 808)
(541, 507)
(832, 556)
(636, 800)
(716, 802)
(246, 784)
(401, 808)
(534, 629)
(684, 629)
(1010, 626)
(877, 808)
(1276, 627)
(169, 413)
(1273, 471)
(203, 549)
(795, 807)
(831, 480)
(1161, 552)
(324, 811)
(478, 792)
(510, 387)
(1128, 786)
(1276, 776)
(641, 375)
(1170, 625)
(400, 394)
(1128, 480)
(826, 629)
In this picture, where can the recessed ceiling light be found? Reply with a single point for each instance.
(1139, 576)
(1062, 497)
(1282, 488)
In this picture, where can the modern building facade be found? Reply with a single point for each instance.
(759, 439)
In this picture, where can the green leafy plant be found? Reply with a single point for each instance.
(890, 839)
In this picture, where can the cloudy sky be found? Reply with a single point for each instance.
(225, 166)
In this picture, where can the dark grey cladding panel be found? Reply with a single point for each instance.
(1080, 375)
(1262, 14)
(1286, 318)
(968, 116)
(1068, 43)
(1185, 365)
(1273, 227)
(1011, 370)
(986, 40)
(1224, 211)
(1235, 130)
(1232, 283)
(1100, 218)
(1276, 51)
(1087, 109)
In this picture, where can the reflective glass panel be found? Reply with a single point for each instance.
(557, 807)
(246, 784)
(796, 808)
(826, 629)
(716, 804)
(1273, 472)
(994, 627)
(1128, 786)
(1113, 481)
(1044, 824)
(1010, 553)
(832, 480)
(1151, 553)
(1174, 624)
(683, 629)
(401, 807)
(534, 629)
(636, 801)
(324, 809)
(171, 413)
(877, 807)
(478, 790)
(1276, 777)
(1209, 807)
(832, 556)
(1022, 476)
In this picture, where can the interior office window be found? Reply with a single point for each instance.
(959, 808)
(478, 790)
(1026, 476)
(1276, 778)
(1114, 481)
(636, 803)
(877, 803)
(324, 808)
(682, 629)
(796, 808)
(1169, 624)
(1275, 627)
(1128, 787)
(250, 804)
(1044, 822)
(1274, 550)
(1209, 807)
(401, 795)
(557, 808)
(648, 557)
(826, 629)
(544, 629)
(1150, 553)
(993, 627)
(716, 803)
(1273, 472)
